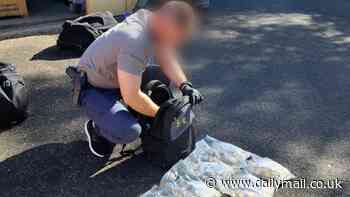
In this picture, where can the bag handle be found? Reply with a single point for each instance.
(2, 92)
(151, 85)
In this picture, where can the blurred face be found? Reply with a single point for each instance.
(169, 33)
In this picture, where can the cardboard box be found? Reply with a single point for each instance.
(13, 8)
(117, 7)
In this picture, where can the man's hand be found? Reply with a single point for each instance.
(195, 96)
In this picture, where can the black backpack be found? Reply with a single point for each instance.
(80, 33)
(13, 96)
(171, 135)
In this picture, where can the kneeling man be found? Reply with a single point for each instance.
(117, 63)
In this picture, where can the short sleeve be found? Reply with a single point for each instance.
(130, 64)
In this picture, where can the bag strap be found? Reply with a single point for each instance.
(2, 92)
(105, 19)
(131, 152)
(91, 18)
(5, 67)
(151, 85)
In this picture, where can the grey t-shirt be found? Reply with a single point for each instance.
(126, 46)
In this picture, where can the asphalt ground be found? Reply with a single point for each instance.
(275, 80)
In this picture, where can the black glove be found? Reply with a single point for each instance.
(187, 90)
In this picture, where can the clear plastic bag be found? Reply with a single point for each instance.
(266, 168)
(243, 184)
(180, 181)
(222, 164)
(228, 153)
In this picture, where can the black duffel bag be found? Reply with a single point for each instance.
(78, 34)
(171, 135)
(13, 96)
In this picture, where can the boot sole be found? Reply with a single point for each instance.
(86, 131)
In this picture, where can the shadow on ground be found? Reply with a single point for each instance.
(54, 53)
(66, 170)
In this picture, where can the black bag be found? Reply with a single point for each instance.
(13, 96)
(171, 135)
(80, 33)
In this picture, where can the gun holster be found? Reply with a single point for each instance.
(79, 82)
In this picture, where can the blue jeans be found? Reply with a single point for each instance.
(113, 119)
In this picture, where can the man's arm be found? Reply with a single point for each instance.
(133, 96)
(170, 66)
(174, 72)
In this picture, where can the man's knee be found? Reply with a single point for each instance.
(123, 132)
(131, 133)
